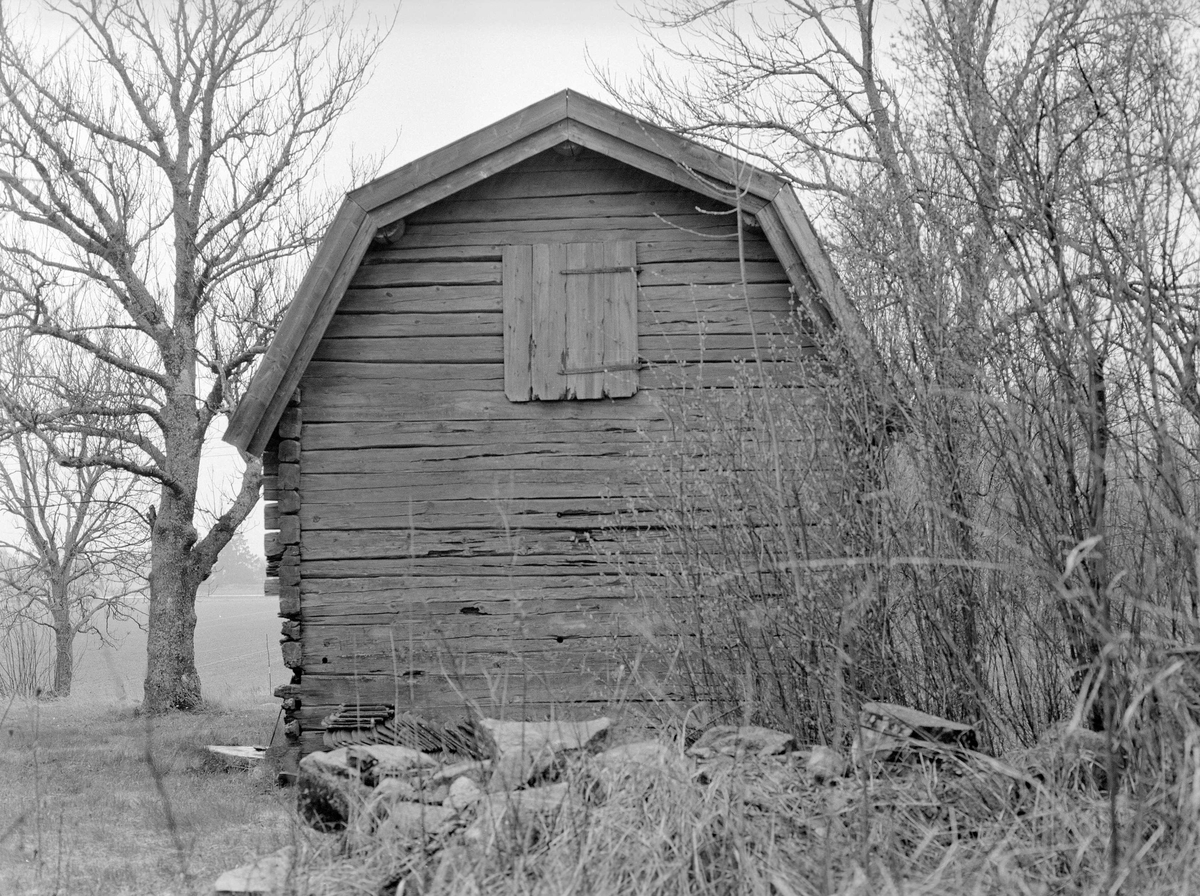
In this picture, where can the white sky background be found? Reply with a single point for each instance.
(451, 67)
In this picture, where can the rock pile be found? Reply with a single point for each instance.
(537, 777)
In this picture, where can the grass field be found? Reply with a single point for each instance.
(98, 800)
(237, 653)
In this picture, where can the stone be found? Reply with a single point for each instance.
(889, 732)
(413, 822)
(744, 740)
(639, 754)
(523, 751)
(387, 760)
(476, 769)
(1068, 756)
(388, 814)
(415, 788)
(511, 823)
(463, 792)
(237, 757)
(328, 791)
(825, 764)
(267, 876)
(618, 767)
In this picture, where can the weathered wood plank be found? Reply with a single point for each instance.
(384, 375)
(701, 249)
(599, 205)
(678, 227)
(538, 513)
(427, 273)
(676, 318)
(550, 428)
(400, 326)
(479, 464)
(753, 248)
(720, 273)
(542, 659)
(517, 321)
(591, 475)
(438, 349)
(492, 489)
(548, 332)
(490, 349)
(326, 405)
(409, 593)
(397, 380)
(430, 695)
(653, 230)
(586, 160)
(689, 321)
(435, 299)
(471, 633)
(761, 296)
(388, 544)
(390, 253)
(561, 177)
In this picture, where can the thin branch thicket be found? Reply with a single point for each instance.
(1010, 198)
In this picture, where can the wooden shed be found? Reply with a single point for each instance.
(449, 409)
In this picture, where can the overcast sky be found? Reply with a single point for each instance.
(450, 67)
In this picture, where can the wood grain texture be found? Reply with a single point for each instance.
(517, 321)
(451, 530)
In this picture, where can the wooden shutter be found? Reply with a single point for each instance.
(570, 321)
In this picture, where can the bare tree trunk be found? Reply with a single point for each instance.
(172, 681)
(64, 636)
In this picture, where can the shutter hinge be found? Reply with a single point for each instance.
(639, 364)
(627, 269)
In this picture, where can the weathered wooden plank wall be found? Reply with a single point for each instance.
(447, 532)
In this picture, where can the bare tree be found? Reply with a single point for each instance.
(80, 553)
(154, 180)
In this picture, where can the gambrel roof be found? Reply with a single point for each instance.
(565, 117)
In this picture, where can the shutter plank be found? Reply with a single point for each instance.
(517, 287)
(585, 318)
(549, 343)
(620, 341)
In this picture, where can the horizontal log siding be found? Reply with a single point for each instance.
(448, 533)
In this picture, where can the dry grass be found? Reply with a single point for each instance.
(103, 802)
(763, 827)
(98, 800)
